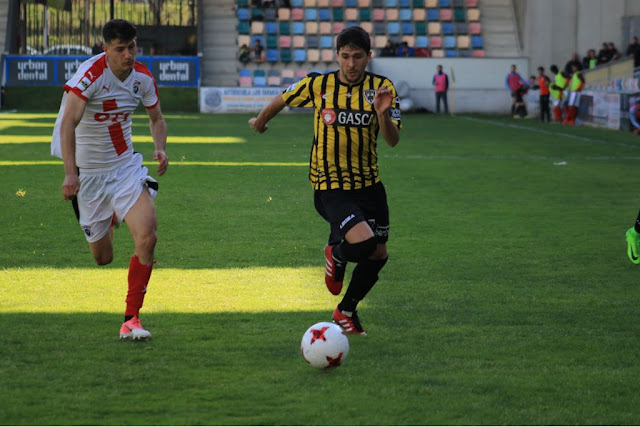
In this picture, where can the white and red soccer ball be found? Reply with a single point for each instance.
(324, 345)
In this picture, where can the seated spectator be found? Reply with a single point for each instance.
(405, 50)
(590, 61)
(97, 48)
(634, 50)
(244, 54)
(603, 54)
(613, 52)
(389, 49)
(573, 61)
(257, 51)
(634, 117)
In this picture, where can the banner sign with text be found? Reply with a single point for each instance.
(23, 70)
(236, 99)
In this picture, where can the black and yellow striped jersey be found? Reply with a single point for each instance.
(344, 151)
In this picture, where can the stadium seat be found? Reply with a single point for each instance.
(434, 28)
(377, 3)
(478, 53)
(351, 3)
(326, 42)
(260, 81)
(271, 27)
(284, 14)
(245, 81)
(313, 55)
(257, 27)
(243, 27)
(367, 26)
(327, 55)
(244, 39)
(257, 37)
(475, 28)
(243, 3)
(284, 27)
(257, 14)
(457, 3)
(459, 15)
(406, 28)
(297, 14)
(272, 42)
(313, 41)
(473, 14)
(437, 53)
(462, 28)
(301, 73)
(284, 41)
(404, 3)
(297, 3)
(243, 72)
(411, 41)
(417, 4)
(338, 27)
(446, 14)
(422, 41)
(447, 28)
(270, 14)
(310, 14)
(324, 14)
(324, 3)
(379, 28)
(285, 55)
(476, 42)
(431, 3)
(310, 3)
(419, 15)
(405, 14)
(378, 14)
(393, 28)
(311, 27)
(444, 3)
(352, 24)
(450, 42)
(337, 3)
(392, 15)
(422, 52)
(350, 14)
(338, 14)
(435, 42)
(243, 14)
(364, 14)
(464, 53)
(421, 28)
(298, 28)
(272, 55)
(300, 55)
(298, 41)
(364, 3)
(259, 72)
(273, 78)
(433, 15)
(325, 28)
(391, 3)
(451, 53)
(379, 42)
(471, 3)
(287, 73)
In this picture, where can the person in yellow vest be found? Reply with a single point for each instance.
(557, 88)
(575, 86)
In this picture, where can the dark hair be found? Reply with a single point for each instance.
(541, 69)
(554, 69)
(355, 37)
(119, 29)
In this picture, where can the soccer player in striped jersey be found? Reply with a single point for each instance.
(351, 107)
(104, 176)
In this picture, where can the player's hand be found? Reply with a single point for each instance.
(259, 129)
(163, 161)
(383, 100)
(70, 186)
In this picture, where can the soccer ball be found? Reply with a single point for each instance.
(324, 345)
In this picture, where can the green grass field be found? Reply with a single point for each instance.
(508, 297)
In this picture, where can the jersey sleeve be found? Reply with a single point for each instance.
(299, 93)
(150, 96)
(394, 111)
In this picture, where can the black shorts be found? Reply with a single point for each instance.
(343, 209)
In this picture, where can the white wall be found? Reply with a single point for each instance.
(476, 84)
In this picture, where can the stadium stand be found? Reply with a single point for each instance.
(305, 33)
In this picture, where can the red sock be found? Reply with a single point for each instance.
(139, 275)
(557, 114)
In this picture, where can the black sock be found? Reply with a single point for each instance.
(127, 318)
(364, 276)
(337, 254)
(513, 109)
(637, 224)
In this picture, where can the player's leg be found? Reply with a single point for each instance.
(445, 102)
(94, 214)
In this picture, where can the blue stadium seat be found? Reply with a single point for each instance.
(257, 14)
(259, 73)
(377, 3)
(444, 3)
(284, 27)
(285, 55)
(433, 15)
(270, 14)
(313, 42)
(421, 28)
(271, 27)
(450, 42)
(351, 3)
(260, 81)
(311, 14)
(391, 3)
(458, 3)
(243, 14)
(447, 28)
(476, 42)
(297, 3)
(450, 53)
(288, 81)
(326, 42)
(244, 72)
(298, 27)
(404, 3)
(406, 15)
(464, 53)
(422, 41)
(352, 24)
(272, 42)
(407, 28)
(462, 28)
(257, 37)
(299, 55)
(393, 28)
(244, 27)
(379, 28)
(272, 55)
(324, 14)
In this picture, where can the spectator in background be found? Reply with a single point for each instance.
(575, 60)
(257, 50)
(575, 86)
(404, 50)
(543, 83)
(613, 52)
(441, 82)
(634, 116)
(590, 61)
(634, 50)
(518, 87)
(97, 48)
(244, 54)
(556, 89)
(389, 49)
(603, 54)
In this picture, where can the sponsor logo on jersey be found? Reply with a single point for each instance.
(84, 83)
(347, 117)
(328, 116)
(324, 95)
(346, 220)
(292, 87)
(136, 86)
(87, 230)
(395, 113)
(369, 95)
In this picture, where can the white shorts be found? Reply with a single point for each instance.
(574, 99)
(104, 192)
(556, 102)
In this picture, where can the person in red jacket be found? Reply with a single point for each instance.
(544, 82)
(517, 86)
(441, 83)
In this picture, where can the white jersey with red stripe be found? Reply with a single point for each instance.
(103, 136)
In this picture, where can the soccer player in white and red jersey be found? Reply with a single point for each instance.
(103, 173)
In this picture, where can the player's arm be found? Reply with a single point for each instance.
(158, 128)
(73, 111)
(260, 123)
(382, 102)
